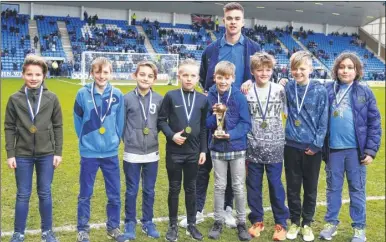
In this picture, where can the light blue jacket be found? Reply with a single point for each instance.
(93, 144)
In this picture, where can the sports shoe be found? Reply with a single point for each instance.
(193, 232)
(230, 221)
(116, 235)
(172, 234)
(280, 233)
(49, 236)
(359, 235)
(199, 219)
(307, 233)
(242, 232)
(130, 230)
(329, 231)
(216, 230)
(17, 237)
(83, 236)
(293, 231)
(150, 230)
(256, 228)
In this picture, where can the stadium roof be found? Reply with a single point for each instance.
(346, 13)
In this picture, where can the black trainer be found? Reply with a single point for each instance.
(193, 232)
(216, 230)
(172, 234)
(242, 232)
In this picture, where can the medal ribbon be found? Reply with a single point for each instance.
(96, 109)
(188, 115)
(263, 113)
(31, 111)
(145, 114)
(338, 101)
(297, 99)
(229, 95)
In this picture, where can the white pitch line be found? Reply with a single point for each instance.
(72, 228)
(68, 82)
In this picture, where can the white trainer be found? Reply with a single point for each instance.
(199, 219)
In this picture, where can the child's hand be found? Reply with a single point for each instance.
(367, 160)
(57, 160)
(246, 86)
(178, 139)
(222, 136)
(283, 81)
(202, 158)
(11, 162)
(309, 152)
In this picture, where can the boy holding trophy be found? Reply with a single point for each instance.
(229, 121)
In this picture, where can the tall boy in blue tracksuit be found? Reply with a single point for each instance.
(99, 120)
(305, 130)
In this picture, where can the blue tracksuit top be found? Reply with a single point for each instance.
(313, 116)
(92, 144)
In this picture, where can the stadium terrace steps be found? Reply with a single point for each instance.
(65, 40)
(148, 45)
(33, 30)
(212, 35)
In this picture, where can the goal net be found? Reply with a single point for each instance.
(124, 64)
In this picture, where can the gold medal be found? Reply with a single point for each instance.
(264, 125)
(102, 130)
(146, 131)
(188, 130)
(336, 113)
(33, 129)
(297, 122)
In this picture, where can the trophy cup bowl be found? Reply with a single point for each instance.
(220, 115)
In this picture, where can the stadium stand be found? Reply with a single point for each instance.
(49, 36)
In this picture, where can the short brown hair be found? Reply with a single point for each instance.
(354, 58)
(149, 64)
(260, 59)
(225, 68)
(299, 58)
(233, 6)
(99, 62)
(187, 62)
(37, 61)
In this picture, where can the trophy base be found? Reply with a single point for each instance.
(219, 132)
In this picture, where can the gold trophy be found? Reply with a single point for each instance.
(220, 110)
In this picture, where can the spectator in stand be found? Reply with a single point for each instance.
(85, 16)
(133, 19)
(217, 25)
(14, 65)
(13, 51)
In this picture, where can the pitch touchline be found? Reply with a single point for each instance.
(72, 228)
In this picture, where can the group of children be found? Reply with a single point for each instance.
(339, 121)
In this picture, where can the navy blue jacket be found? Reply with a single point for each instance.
(172, 119)
(367, 120)
(209, 60)
(237, 121)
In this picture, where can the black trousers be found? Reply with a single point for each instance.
(203, 181)
(176, 165)
(301, 169)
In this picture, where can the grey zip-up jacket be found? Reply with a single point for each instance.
(136, 142)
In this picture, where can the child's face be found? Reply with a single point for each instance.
(101, 75)
(346, 71)
(302, 72)
(145, 77)
(33, 76)
(188, 77)
(223, 83)
(262, 74)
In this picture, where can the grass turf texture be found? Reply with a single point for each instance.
(65, 186)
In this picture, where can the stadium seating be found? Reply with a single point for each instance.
(9, 40)
(47, 30)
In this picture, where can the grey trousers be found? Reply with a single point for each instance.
(237, 167)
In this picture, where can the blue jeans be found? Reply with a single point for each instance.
(341, 162)
(276, 192)
(111, 175)
(44, 175)
(149, 176)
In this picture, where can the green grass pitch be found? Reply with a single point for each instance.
(65, 186)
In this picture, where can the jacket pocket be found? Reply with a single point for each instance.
(43, 143)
